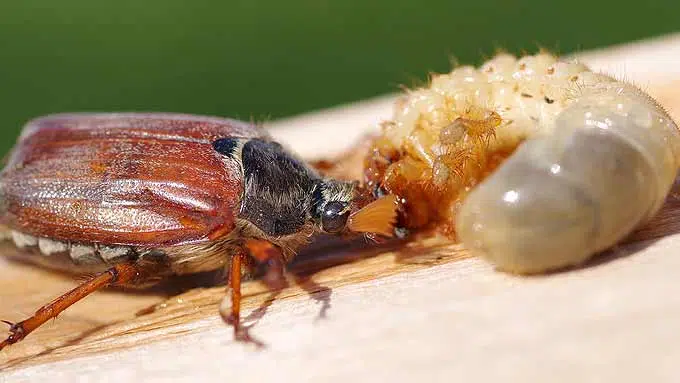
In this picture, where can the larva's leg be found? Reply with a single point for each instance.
(118, 275)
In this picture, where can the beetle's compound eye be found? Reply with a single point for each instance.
(334, 217)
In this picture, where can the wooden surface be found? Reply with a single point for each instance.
(425, 310)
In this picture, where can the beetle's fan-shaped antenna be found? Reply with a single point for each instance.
(377, 217)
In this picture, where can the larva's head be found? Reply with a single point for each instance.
(340, 207)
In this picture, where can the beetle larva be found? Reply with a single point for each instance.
(534, 163)
(139, 197)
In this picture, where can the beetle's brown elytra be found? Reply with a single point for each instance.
(136, 197)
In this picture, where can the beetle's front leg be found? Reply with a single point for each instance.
(263, 252)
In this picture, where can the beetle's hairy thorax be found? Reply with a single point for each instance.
(278, 189)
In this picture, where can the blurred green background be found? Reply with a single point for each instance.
(265, 59)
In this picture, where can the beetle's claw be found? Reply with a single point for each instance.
(16, 333)
(242, 334)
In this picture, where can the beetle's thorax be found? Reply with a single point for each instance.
(282, 196)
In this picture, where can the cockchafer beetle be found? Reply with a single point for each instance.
(136, 197)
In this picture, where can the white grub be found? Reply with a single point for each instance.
(110, 254)
(22, 240)
(49, 246)
(596, 157)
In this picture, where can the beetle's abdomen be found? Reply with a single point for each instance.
(68, 256)
(82, 257)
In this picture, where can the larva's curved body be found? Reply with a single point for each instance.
(594, 159)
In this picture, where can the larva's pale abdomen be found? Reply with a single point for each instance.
(595, 158)
(559, 199)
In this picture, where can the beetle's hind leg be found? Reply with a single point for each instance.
(123, 274)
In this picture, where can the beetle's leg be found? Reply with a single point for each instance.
(230, 308)
(263, 252)
(118, 275)
(267, 253)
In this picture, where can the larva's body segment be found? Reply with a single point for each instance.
(559, 199)
(572, 163)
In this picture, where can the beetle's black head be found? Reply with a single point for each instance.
(346, 207)
(332, 205)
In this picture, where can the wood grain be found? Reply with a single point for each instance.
(120, 320)
(358, 311)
